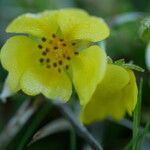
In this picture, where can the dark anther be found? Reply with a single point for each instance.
(59, 70)
(76, 53)
(50, 42)
(64, 44)
(55, 47)
(41, 60)
(53, 35)
(55, 64)
(68, 58)
(67, 67)
(64, 55)
(47, 60)
(43, 39)
(40, 46)
(60, 62)
(47, 50)
(73, 44)
(48, 66)
(44, 53)
(61, 40)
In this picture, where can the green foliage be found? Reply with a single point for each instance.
(145, 30)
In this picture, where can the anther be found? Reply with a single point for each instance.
(60, 62)
(40, 46)
(41, 60)
(67, 67)
(55, 47)
(47, 50)
(68, 57)
(73, 43)
(76, 53)
(43, 39)
(53, 35)
(64, 44)
(55, 64)
(44, 53)
(61, 40)
(48, 66)
(47, 60)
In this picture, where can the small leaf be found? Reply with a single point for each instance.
(133, 67)
(145, 30)
(119, 62)
(109, 60)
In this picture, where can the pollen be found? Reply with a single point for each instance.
(56, 52)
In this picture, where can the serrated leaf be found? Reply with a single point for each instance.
(145, 30)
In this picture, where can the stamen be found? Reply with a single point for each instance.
(60, 62)
(47, 60)
(68, 58)
(40, 46)
(64, 44)
(73, 43)
(67, 67)
(53, 35)
(41, 60)
(48, 66)
(47, 50)
(44, 53)
(76, 53)
(55, 64)
(61, 40)
(55, 47)
(43, 39)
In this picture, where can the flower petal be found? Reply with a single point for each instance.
(88, 70)
(130, 93)
(52, 84)
(42, 24)
(107, 99)
(69, 18)
(16, 55)
(93, 29)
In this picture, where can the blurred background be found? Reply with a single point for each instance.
(124, 18)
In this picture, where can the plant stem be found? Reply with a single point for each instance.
(72, 139)
(81, 130)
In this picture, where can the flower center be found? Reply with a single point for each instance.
(56, 52)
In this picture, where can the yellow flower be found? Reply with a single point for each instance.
(114, 96)
(56, 51)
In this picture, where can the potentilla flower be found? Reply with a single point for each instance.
(56, 50)
(115, 95)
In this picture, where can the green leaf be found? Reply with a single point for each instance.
(133, 67)
(145, 30)
(143, 134)
(109, 60)
(119, 62)
(37, 119)
(136, 118)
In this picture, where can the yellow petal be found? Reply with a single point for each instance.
(130, 93)
(41, 24)
(16, 55)
(50, 83)
(93, 29)
(69, 18)
(88, 70)
(107, 100)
